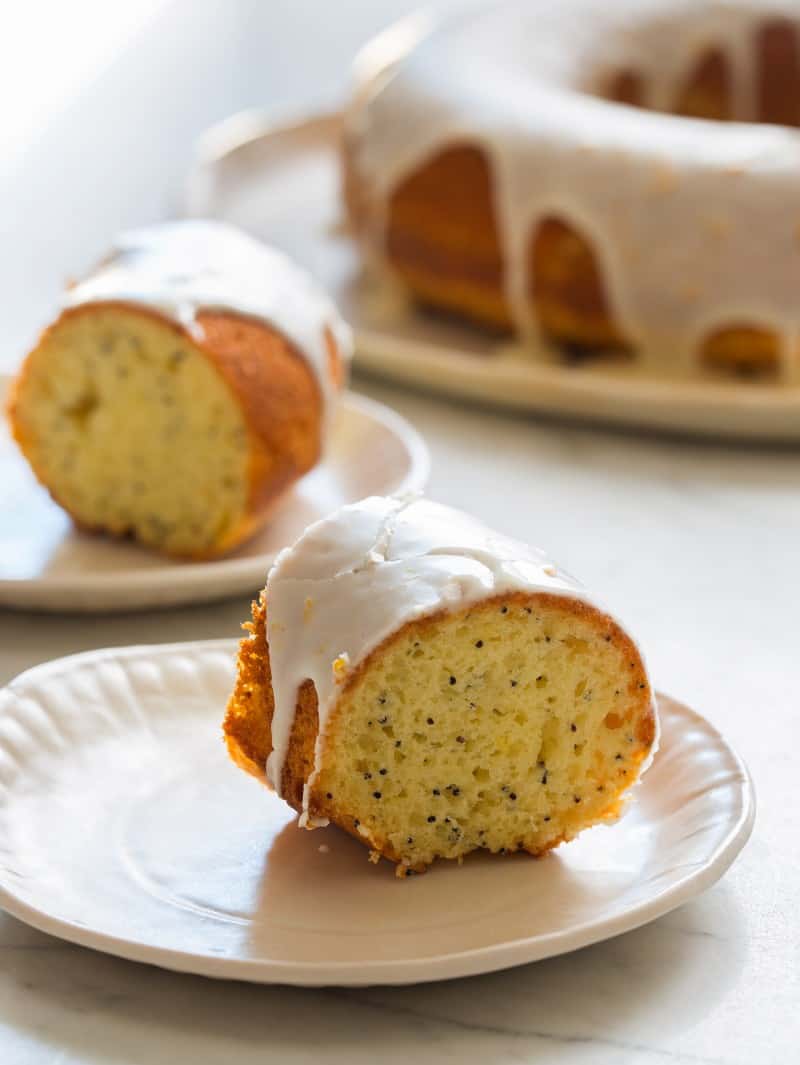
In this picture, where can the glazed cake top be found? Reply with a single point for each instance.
(359, 575)
(695, 223)
(181, 268)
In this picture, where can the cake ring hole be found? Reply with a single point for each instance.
(708, 91)
(746, 350)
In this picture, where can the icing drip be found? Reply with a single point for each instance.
(360, 574)
(695, 224)
(181, 268)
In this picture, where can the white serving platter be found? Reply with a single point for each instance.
(282, 182)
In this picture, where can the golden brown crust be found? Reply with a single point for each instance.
(248, 719)
(568, 290)
(626, 87)
(281, 402)
(778, 72)
(707, 91)
(247, 727)
(743, 348)
(442, 239)
(273, 384)
(247, 724)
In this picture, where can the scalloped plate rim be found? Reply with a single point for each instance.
(474, 961)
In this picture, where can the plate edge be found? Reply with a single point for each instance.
(478, 960)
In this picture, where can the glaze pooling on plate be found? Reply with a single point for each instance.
(359, 575)
(181, 268)
(521, 82)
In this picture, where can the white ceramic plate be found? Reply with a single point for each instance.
(282, 183)
(124, 827)
(45, 564)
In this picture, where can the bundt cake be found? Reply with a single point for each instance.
(434, 687)
(186, 385)
(604, 176)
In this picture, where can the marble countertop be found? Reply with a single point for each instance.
(696, 546)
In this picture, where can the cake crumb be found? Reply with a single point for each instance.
(312, 821)
(340, 667)
(323, 848)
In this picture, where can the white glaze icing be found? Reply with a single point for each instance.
(695, 224)
(360, 574)
(181, 268)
